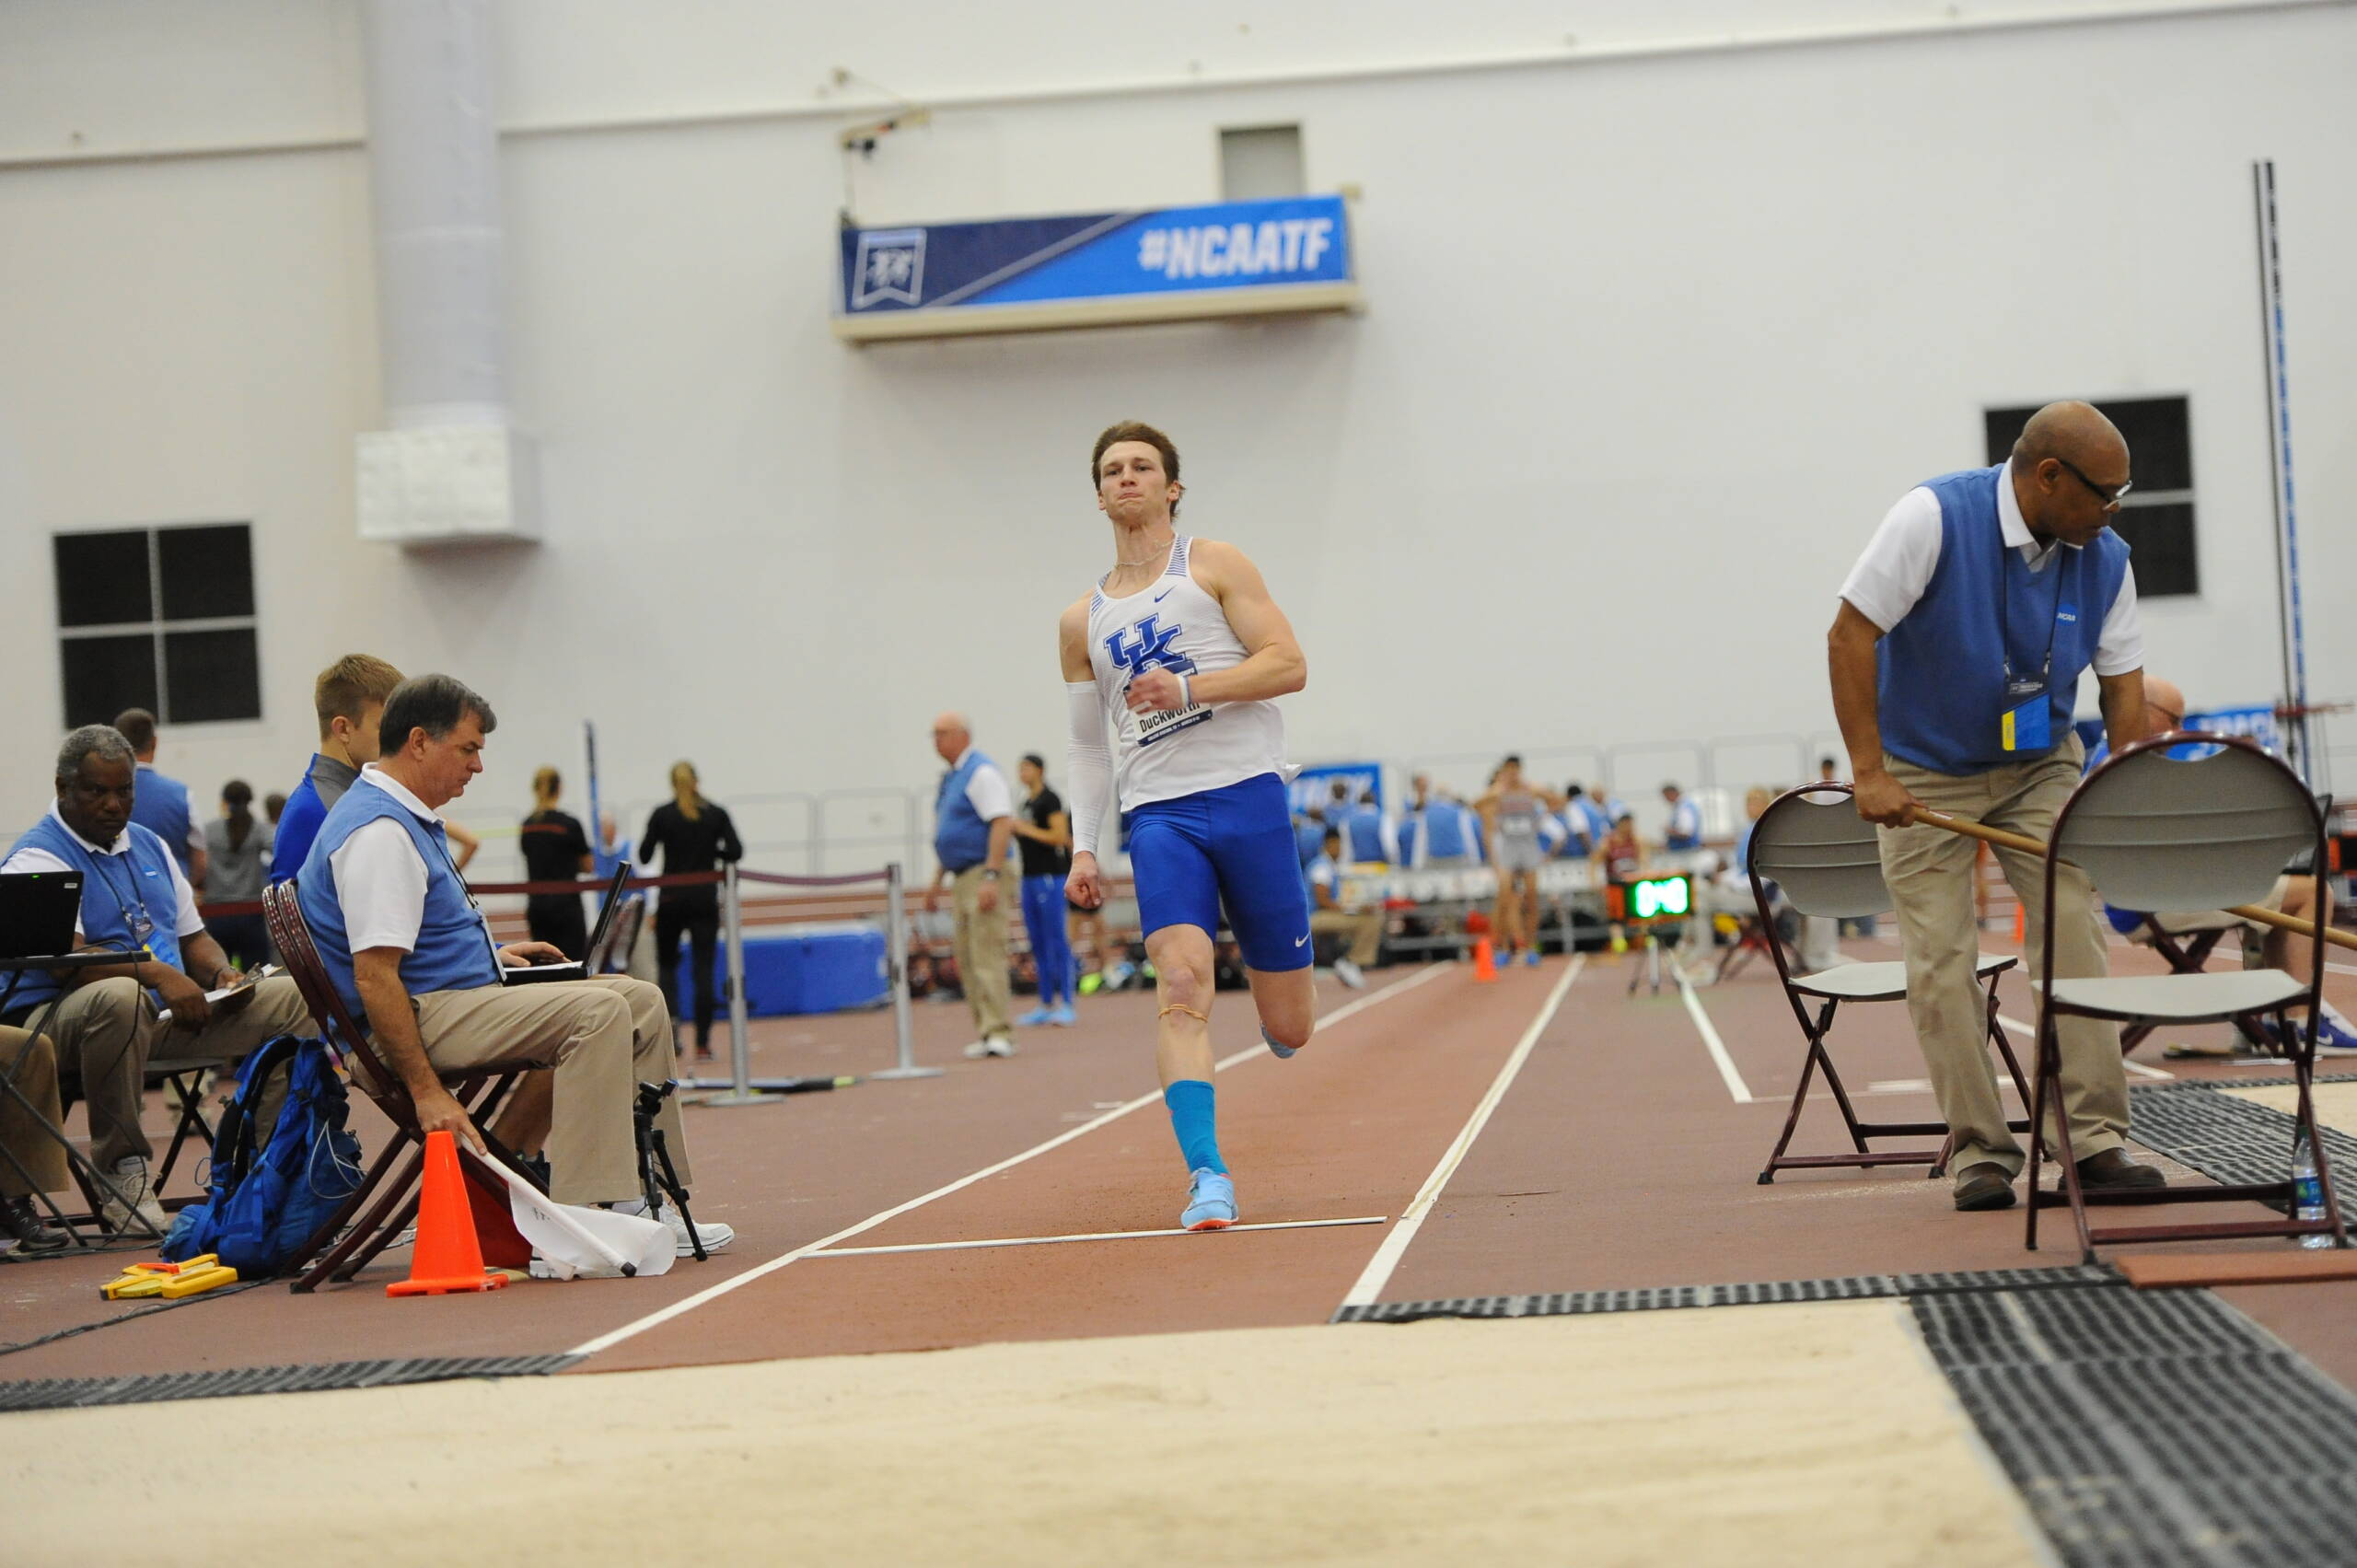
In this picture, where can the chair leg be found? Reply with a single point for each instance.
(325, 1237)
(2050, 1067)
(1833, 1079)
(403, 1218)
(2037, 1143)
(2304, 1071)
(1792, 1117)
(2005, 1050)
(373, 1219)
(191, 1119)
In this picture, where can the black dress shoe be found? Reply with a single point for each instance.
(1983, 1186)
(2113, 1170)
(22, 1219)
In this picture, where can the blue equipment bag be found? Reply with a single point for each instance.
(265, 1204)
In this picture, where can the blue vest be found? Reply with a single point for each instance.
(1363, 833)
(1684, 831)
(453, 951)
(298, 825)
(161, 806)
(960, 837)
(113, 886)
(1308, 840)
(1442, 827)
(1942, 669)
(1575, 843)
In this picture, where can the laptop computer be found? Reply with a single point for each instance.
(540, 974)
(38, 910)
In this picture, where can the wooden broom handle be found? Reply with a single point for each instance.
(1998, 836)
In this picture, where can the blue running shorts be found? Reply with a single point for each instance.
(1234, 846)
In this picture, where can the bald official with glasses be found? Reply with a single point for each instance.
(1956, 656)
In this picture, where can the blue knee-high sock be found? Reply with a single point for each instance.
(1194, 1117)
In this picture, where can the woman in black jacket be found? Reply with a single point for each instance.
(692, 834)
(556, 849)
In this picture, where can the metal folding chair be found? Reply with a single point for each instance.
(480, 1092)
(1826, 860)
(2154, 833)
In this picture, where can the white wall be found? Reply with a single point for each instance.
(1651, 340)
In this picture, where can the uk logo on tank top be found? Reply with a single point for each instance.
(1151, 645)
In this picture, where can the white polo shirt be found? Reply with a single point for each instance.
(1899, 561)
(30, 859)
(380, 877)
(986, 790)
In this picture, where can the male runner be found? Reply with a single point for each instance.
(1511, 813)
(1181, 649)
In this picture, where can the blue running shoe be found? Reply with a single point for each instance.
(1211, 1203)
(1530, 958)
(1064, 1017)
(1037, 1017)
(1279, 1051)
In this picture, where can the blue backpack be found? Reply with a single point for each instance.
(265, 1204)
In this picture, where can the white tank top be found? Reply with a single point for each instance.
(1174, 624)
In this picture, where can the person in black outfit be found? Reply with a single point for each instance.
(1043, 834)
(692, 834)
(556, 849)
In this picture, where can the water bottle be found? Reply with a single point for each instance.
(2307, 1192)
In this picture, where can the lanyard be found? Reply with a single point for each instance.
(2005, 610)
(140, 926)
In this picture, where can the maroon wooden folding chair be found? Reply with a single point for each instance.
(2153, 832)
(479, 1091)
(1812, 844)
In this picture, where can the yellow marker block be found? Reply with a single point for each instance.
(197, 1284)
(129, 1286)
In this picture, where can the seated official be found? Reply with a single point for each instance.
(30, 1161)
(135, 901)
(1328, 917)
(408, 951)
(2263, 947)
(1367, 834)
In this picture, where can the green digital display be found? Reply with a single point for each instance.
(1661, 898)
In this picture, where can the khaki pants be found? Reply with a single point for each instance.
(1930, 873)
(33, 1061)
(604, 1036)
(107, 1032)
(982, 950)
(1364, 928)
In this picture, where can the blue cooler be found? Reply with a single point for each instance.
(816, 968)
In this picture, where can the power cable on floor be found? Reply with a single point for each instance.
(143, 1312)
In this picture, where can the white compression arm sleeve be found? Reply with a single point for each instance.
(1089, 766)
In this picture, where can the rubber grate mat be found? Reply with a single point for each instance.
(1856, 1288)
(2149, 1429)
(2231, 1140)
(77, 1393)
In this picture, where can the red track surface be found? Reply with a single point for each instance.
(1619, 1158)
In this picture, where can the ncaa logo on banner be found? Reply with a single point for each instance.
(889, 266)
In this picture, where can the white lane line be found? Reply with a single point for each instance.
(1379, 1267)
(1097, 1236)
(688, 1304)
(2341, 969)
(1736, 1085)
(2029, 1033)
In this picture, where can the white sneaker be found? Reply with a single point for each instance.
(1350, 974)
(130, 1174)
(996, 1045)
(716, 1238)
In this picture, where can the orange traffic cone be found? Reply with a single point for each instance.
(448, 1258)
(1485, 961)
